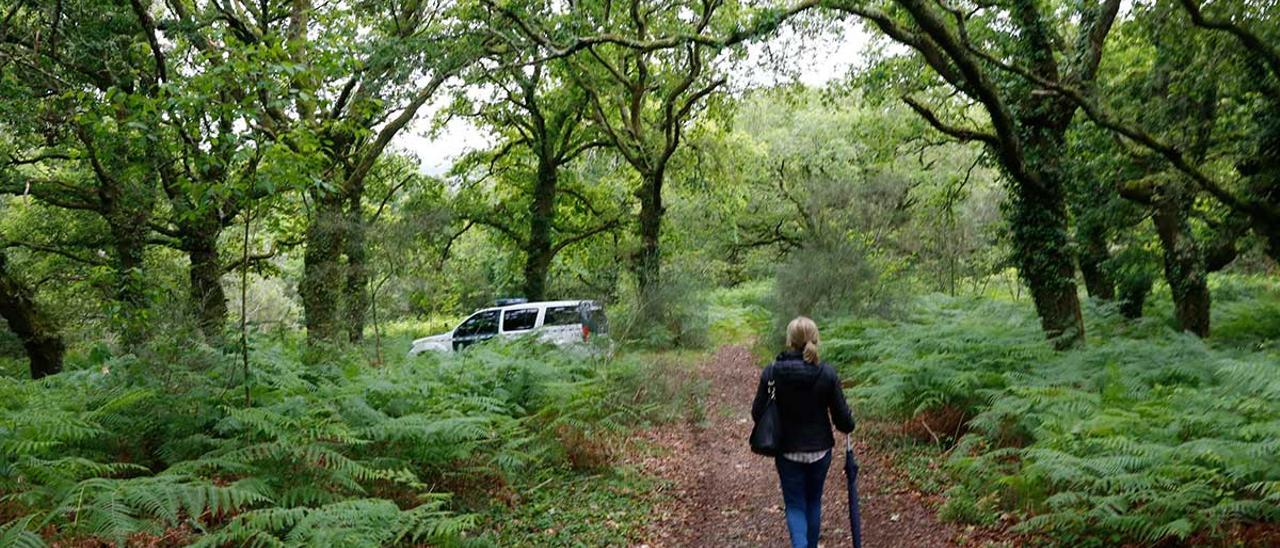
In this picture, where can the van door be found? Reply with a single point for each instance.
(480, 326)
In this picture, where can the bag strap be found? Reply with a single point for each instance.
(769, 382)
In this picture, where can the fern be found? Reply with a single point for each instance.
(1147, 436)
(332, 454)
(17, 535)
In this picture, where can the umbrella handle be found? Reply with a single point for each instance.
(848, 442)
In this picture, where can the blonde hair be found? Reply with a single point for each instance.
(802, 335)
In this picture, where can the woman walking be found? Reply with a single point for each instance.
(809, 398)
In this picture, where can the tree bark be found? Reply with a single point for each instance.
(1262, 173)
(206, 297)
(542, 211)
(1027, 130)
(1091, 242)
(1184, 266)
(648, 262)
(128, 239)
(357, 289)
(321, 285)
(1133, 295)
(38, 334)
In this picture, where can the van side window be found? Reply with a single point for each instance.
(519, 320)
(562, 315)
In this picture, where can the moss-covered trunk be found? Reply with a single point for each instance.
(129, 231)
(648, 260)
(538, 252)
(356, 297)
(1133, 296)
(322, 270)
(1184, 266)
(1092, 253)
(206, 297)
(1038, 219)
(38, 334)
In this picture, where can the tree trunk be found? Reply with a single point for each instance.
(206, 296)
(648, 263)
(321, 285)
(1184, 266)
(1262, 174)
(1133, 295)
(131, 322)
(1038, 218)
(538, 254)
(1091, 240)
(1273, 245)
(357, 290)
(39, 336)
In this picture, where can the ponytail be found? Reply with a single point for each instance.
(802, 336)
(811, 352)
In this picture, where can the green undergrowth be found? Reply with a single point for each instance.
(737, 314)
(1145, 435)
(417, 451)
(575, 508)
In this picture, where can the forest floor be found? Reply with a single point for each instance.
(721, 494)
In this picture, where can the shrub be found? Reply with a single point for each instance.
(674, 316)
(828, 278)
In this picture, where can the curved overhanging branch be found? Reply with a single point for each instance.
(1099, 115)
(947, 54)
(761, 26)
(568, 241)
(1250, 40)
(959, 133)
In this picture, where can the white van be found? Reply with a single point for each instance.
(558, 322)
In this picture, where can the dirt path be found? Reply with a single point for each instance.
(724, 495)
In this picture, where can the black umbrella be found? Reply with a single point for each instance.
(851, 474)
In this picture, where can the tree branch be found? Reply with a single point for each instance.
(1102, 117)
(762, 25)
(242, 261)
(958, 133)
(566, 242)
(149, 29)
(90, 260)
(390, 193)
(448, 245)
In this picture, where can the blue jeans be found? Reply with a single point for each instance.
(802, 495)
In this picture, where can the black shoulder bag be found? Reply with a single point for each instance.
(766, 435)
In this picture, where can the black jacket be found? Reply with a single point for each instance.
(809, 399)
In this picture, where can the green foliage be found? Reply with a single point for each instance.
(1249, 311)
(336, 454)
(1144, 435)
(739, 313)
